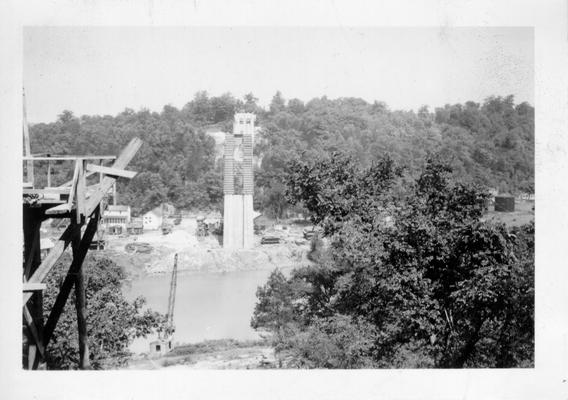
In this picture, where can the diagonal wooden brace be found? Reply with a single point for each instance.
(34, 332)
(69, 281)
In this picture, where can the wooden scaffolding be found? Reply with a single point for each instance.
(81, 205)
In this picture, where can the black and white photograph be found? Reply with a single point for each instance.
(286, 199)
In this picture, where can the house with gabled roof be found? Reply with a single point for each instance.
(154, 218)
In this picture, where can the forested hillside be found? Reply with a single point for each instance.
(490, 143)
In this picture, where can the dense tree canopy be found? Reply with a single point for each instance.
(410, 279)
(491, 143)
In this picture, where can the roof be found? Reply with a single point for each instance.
(111, 207)
(262, 219)
(159, 341)
(159, 210)
(156, 211)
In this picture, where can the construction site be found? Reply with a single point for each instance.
(82, 215)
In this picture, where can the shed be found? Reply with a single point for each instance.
(504, 203)
(262, 222)
(135, 227)
(160, 347)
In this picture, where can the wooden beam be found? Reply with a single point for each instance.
(67, 158)
(69, 183)
(35, 336)
(51, 258)
(65, 208)
(69, 281)
(121, 162)
(34, 287)
(80, 305)
(80, 209)
(47, 190)
(73, 190)
(60, 209)
(121, 165)
(49, 173)
(32, 226)
(111, 171)
(36, 243)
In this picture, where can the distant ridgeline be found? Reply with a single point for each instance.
(491, 144)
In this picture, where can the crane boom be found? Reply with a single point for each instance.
(172, 298)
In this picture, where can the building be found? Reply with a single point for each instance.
(523, 196)
(238, 225)
(153, 219)
(115, 219)
(262, 222)
(160, 347)
(505, 203)
(136, 227)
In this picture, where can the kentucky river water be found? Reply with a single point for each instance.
(208, 305)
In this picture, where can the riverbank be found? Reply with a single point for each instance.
(211, 354)
(152, 253)
(216, 287)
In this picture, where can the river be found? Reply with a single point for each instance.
(207, 306)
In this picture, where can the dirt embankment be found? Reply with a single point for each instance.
(153, 253)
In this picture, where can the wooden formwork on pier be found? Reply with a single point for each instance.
(81, 204)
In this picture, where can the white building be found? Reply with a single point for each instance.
(116, 218)
(160, 347)
(153, 219)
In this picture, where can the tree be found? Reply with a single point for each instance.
(277, 104)
(112, 321)
(296, 106)
(334, 188)
(437, 285)
(275, 310)
(223, 108)
(339, 341)
(66, 116)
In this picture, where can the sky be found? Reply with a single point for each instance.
(103, 70)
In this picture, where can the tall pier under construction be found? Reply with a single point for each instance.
(238, 184)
